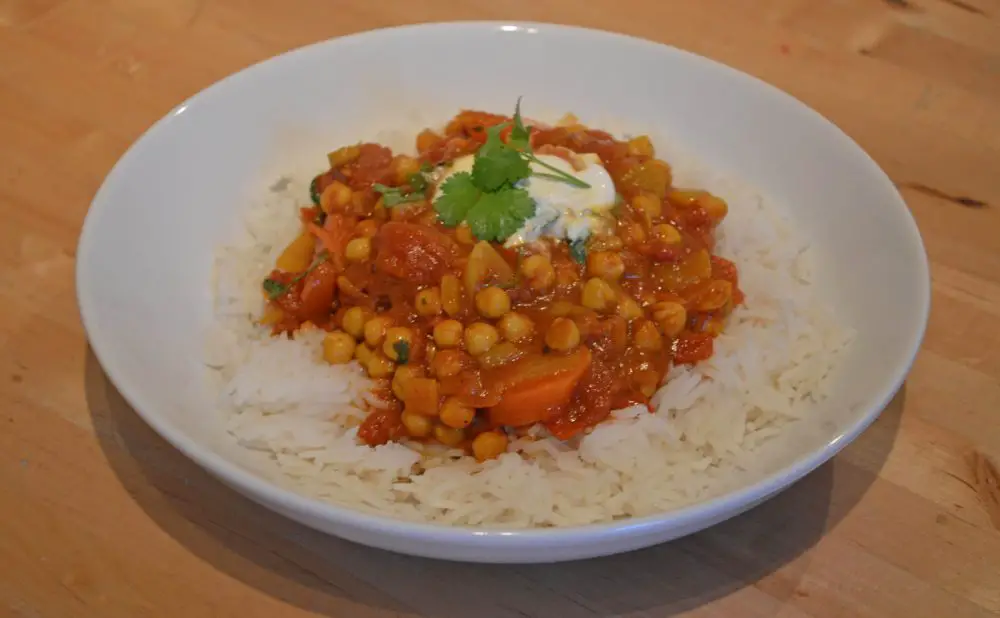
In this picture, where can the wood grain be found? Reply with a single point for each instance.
(100, 517)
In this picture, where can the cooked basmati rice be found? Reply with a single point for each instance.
(774, 360)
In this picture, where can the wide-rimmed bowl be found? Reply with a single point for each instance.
(145, 253)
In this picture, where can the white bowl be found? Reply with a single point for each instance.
(146, 248)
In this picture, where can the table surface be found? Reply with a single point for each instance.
(99, 517)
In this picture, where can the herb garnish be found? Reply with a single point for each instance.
(487, 198)
(314, 190)
(578, 249)
(275, 289)
(402, 349)
(394, 196)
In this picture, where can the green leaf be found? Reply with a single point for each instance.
(503, 167)
(402, 349)
(578, 249)
(314, 190)
(274, 289)
(496, 216)
(497, 164)
(519, 135)
(394, 196)
(458, 195)
(417, 182)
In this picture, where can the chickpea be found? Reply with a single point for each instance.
(363, 353)
(667, 233)
(448, 333)
(449, 436)
(338, 348)
(714, 296)
(648, 204)
(516, 327)
(405, 167)
(375, 330)
(480, 337)
(538, 270)
(628, 308)
(336, 196)
(492, 302)
(456, 414)
(417, 425)
(402, 376)
(606, 265)
(380, 367)
(449, 363)
(464, 235)
(669, 316)
(358, 249)
(397, 338)
(428, 301)
(489, 445)
(367, 228)
(715, 207)
(354, 321)
(563, 335)
(647, 380)
(597, 294)
(647, 337)
(641, 146)
(633, 234)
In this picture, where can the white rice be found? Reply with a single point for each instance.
(774, 360)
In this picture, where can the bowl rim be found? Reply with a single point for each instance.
(252, 485)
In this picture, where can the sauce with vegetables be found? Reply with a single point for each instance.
(436, 279)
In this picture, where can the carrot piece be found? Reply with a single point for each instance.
(298, 254)
(536, 387)
(421, 396)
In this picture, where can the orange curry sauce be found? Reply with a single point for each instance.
(650, 294)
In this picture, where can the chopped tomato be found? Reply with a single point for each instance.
(414, 252)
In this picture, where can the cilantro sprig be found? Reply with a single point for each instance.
(275, 289)
(394, 196)
(487, 198)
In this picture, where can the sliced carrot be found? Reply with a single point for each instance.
(298, 254)
(536, 387)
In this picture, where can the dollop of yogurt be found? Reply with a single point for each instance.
(562, 211)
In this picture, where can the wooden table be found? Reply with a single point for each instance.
(99, 517)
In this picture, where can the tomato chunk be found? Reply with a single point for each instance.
(414, 252)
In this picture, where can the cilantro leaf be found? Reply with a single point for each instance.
(458, 195)
(402, 349)
(519, 135)
(274, 288)
(496, 216)
(504, 167)
(497, 164)
(314, 190)
(394, 196)
(417, 182)
(578, 249)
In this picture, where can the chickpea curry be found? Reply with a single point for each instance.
(479, 295)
